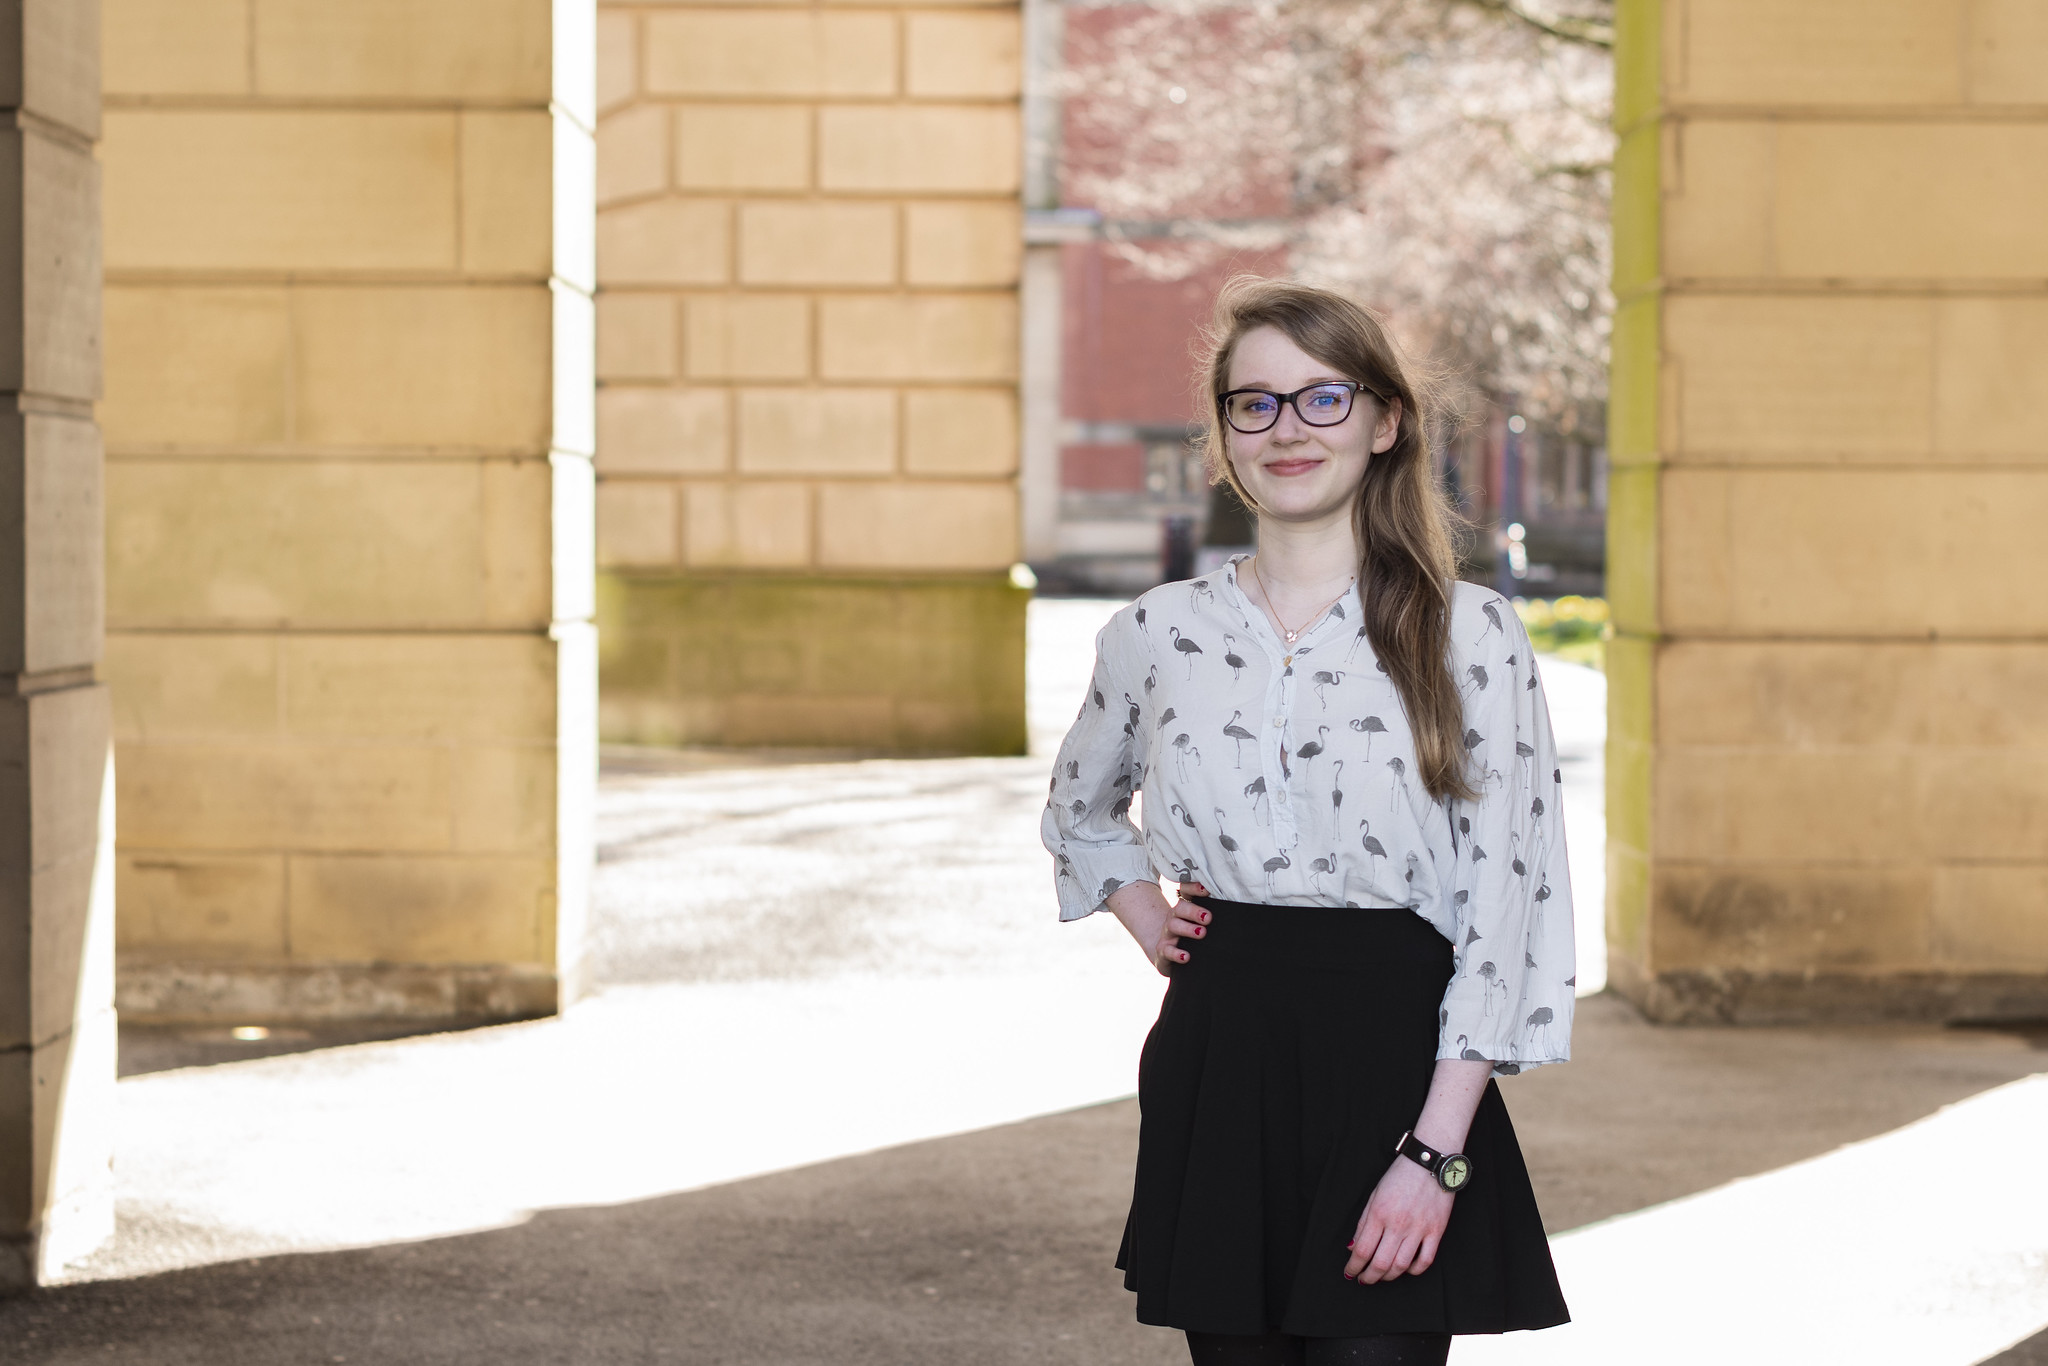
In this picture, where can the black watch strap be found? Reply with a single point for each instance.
(1451, 1170)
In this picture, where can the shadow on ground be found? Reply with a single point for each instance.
(147, 1048)
(992, 1247)
(2032, 1352)
(988, 1248)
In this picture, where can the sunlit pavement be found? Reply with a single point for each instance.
(1878, 1252)
(795, 962)
(801, 962)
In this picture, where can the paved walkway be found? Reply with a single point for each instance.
(994, 1246)
(686, 1168)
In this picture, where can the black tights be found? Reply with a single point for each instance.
(1282, 1349)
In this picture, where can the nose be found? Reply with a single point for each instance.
(1290, 427)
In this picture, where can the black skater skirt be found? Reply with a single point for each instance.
(1291, 1052)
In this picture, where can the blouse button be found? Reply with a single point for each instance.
(1279, 720)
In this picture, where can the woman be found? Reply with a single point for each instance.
(1347, 763)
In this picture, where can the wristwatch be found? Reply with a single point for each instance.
(1451, 1170)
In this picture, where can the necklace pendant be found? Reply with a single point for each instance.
(1291, 635)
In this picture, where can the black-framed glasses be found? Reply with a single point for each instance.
(1252, 411)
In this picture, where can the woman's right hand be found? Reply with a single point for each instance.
(1159, 925)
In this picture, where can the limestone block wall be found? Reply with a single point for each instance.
(57, 1035)
(1829, 757)
(349, 429)
(809, 241)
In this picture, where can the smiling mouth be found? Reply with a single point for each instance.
(1285, 468)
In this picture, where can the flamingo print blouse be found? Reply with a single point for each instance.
(1286, 775)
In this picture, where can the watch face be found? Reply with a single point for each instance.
(1457, 1170)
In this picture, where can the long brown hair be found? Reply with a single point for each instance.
(1406, 527)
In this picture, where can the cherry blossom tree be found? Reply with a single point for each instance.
(1445, 160)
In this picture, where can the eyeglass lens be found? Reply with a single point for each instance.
(1254, 410)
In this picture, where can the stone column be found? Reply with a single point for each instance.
(56, 778)
(1042, 297)
(350, 425)
(1042, 287)
(808, 246)
(1828, 763)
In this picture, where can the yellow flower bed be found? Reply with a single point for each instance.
(1570, 627)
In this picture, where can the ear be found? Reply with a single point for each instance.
(1389, 427)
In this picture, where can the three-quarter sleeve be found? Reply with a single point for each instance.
(1511, 990)
(1096, 847)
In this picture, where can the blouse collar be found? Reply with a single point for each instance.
(1256, 620)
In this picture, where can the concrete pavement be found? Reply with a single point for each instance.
(804, 963)
(995, 1246)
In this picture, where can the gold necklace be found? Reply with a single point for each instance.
(1274, 607)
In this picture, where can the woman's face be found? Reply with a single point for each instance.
(1293, 471)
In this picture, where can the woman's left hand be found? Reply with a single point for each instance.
(1404, 1221)
(1402, 1225)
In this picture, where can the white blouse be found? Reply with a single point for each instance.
(1286, 775)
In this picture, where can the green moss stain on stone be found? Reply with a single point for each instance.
(910, 664)
(1632, 381)
(1638, 61)
(1631, 716)
(1638, 191)
(1638, 124)
(1632, 493)
(1635, 382)
(1630, 724)
(1631, 721)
